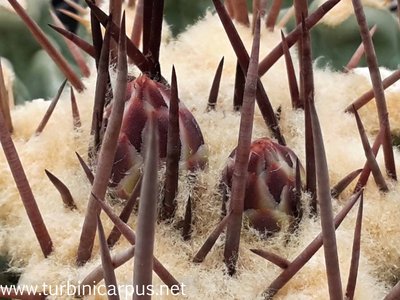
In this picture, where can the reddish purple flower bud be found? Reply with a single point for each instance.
(145, 96)
(270, 199)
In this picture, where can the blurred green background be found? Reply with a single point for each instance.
(38, 77)
(181, 13)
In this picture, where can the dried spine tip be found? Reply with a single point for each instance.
(50, 110)
(106, 155)
(63, 190)
(234, 225)
(85, 168)
(212, 98)
(47, 46)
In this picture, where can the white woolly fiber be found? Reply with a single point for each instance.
(196, 54)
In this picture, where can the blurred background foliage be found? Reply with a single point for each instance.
(38, 77)
(181, 13)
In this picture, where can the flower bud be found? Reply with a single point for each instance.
(148, 96)
(270, 199)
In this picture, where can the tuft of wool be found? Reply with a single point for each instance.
(369, 113)
(195, 54)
